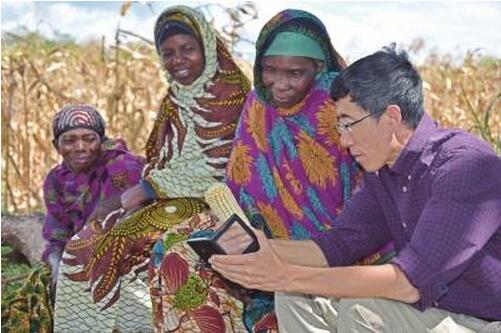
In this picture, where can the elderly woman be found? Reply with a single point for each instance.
(94, 168)
(286, 168)
(187, 152)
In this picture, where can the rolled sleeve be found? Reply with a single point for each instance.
(431, 287)
(460, 217)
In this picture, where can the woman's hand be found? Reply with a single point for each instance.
(133, 197)
(263, 270)
(105, 207)
(54, 259)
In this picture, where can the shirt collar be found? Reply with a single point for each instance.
(415, 146)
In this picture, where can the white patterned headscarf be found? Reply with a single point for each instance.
(77, 116)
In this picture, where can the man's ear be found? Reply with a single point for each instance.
(394, 114)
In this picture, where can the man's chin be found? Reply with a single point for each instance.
(369, 168)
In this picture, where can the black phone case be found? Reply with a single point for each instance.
(205, 247)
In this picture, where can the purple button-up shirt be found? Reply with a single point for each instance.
(440, 204)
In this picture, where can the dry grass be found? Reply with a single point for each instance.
(466, 96)
(127, 85)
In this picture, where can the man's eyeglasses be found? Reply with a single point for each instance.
(346, 128)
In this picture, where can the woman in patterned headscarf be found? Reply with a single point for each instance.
(287, 167)
(187, 152)
(287, 171)
(94, 169)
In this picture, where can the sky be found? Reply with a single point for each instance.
(356, 28)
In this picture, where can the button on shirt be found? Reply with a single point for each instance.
(440, 203)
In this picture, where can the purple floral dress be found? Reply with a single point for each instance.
(71, 198)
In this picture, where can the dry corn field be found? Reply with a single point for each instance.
(126, 85)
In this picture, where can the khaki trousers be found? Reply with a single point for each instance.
(303, 313)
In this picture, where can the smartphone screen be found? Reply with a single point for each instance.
(235, 240)
(234, 237)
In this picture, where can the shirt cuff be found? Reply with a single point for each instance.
(431, 288)
(148, 190)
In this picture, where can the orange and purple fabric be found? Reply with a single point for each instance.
(71, 198)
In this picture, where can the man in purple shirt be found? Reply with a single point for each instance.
(435, 193)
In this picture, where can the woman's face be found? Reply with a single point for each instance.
(79, 148)
(183, 58)
(288, 79)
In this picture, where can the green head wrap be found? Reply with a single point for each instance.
(295, 45)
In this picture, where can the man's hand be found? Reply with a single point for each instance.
(262, 270)
(133, 197)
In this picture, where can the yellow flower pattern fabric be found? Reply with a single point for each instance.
(317, 162)
(256, 125)
(326, 117)
(240, 163)
(289, 168)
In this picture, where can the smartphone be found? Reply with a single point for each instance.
(233, 237)
(205, 247)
